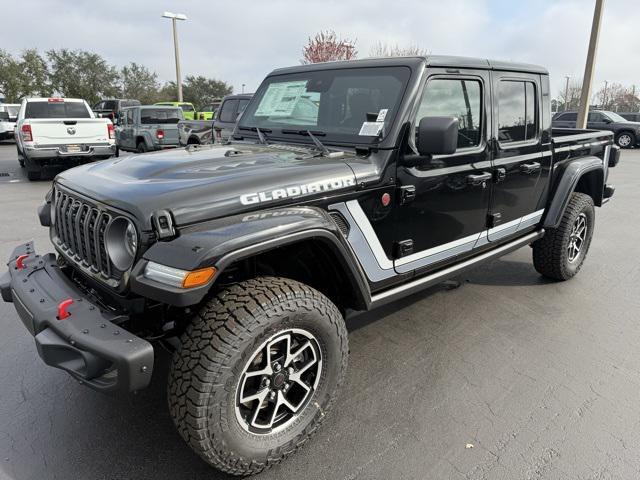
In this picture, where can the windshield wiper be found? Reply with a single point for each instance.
(324, 151)
(262, 139)
(261, 133)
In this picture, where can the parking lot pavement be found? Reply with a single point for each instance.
(509, 376)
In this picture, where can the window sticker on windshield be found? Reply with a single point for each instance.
(382, 114)
(281, 98)
(371, 129)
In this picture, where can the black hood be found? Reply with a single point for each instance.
(197, 184)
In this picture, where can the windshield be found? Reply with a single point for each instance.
(56, 109)
(345, 105)
(615, 117)
(160, 115)
(12, 110)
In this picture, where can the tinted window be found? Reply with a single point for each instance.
(595, 117)
(568, 117)
(186, 108)
(160, 115)
(516, 111)
(228, 111)
(454, 98)
(56, 110)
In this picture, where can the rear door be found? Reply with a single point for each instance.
(519, 159)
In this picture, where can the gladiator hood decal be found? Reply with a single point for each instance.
(198, 184)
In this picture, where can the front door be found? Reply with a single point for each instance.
(519, 159)
(446, 197)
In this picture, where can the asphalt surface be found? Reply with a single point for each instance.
(507, 377)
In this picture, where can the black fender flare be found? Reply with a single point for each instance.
(222, 242)
(566, 184)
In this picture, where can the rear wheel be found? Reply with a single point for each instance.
(625, 140)
(562, 251)
(142, 147)
(257, 372)
(34, 175)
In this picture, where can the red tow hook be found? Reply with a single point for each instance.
(62, 308)
(20, 262)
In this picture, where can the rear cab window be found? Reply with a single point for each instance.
(56, 109)
(150, 116)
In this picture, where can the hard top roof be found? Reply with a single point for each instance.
(415, 61)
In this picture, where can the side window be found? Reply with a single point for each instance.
(517, 120)
(130, 116)
(595, 117)
(227, 114)
(443, 97)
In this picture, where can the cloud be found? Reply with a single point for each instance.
(242, 42)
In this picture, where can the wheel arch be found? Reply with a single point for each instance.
(300, 243)
(584, 175)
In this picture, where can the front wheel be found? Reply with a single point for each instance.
(625, 140)
(562, 251)
(257, 371)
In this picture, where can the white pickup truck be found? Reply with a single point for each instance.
(60, 132)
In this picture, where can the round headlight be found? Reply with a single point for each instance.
(121, 240)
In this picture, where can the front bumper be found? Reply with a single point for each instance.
(61, 151)
(86, 344)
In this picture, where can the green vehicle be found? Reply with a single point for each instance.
(188, 110)
(208, 112)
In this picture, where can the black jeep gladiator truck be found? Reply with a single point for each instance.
(345, 186)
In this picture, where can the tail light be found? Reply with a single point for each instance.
(56, 100)
(27, 136)
(111, 131)
(160, 134)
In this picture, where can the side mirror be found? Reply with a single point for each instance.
(437, 136)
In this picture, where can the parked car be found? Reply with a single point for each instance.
(188, 110)
(632, 117)
(60, 132)
(247, 256)
(208, 111)
(147, 128)
(227, 115)
(195, 132)
(627, 134)
(8, 116)
(111, 108)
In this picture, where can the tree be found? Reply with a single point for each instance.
(326, 47)
(201, 90)
(618, 98)
(82, 74)
(140, 83)
(25, 76)
(168, 92)
(382, 49)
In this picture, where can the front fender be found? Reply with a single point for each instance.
(565, 185)
(224, 241)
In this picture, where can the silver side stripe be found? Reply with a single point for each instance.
(378, 266)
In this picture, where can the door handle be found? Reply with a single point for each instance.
(530, 167)
(479, 179)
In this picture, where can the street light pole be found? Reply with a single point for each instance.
(174, 17)
(589, 67)
(566, 93)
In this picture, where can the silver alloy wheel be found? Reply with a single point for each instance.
(278, 381)
(577, 237)
(624, 140)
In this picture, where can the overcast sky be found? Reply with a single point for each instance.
(241, 41)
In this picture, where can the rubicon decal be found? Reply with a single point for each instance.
(297, 190)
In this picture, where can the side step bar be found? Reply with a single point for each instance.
(440, 276)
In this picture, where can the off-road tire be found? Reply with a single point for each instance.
(550, 253)
(216, 347)
(141, 147)
(631, 142)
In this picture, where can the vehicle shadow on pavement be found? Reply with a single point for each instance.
(507, 273)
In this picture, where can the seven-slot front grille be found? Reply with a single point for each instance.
(80, 228)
